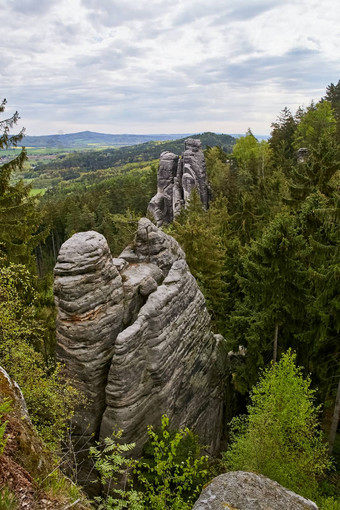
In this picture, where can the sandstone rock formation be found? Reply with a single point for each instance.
(302, 155)
(176, 179)
(240, 490)
(134, 333)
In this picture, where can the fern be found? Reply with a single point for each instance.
(113, 466)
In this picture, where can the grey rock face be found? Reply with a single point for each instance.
(134, 333)
(302, 155)
(176, 179)
(89, 299)
(240, 490)
(10, 388)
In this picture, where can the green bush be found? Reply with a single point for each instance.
(50, 398)
(170, 477)
(329, 504)
(280, 437)
(5, 408)
(173, 475)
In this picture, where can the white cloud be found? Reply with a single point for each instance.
(160, 66)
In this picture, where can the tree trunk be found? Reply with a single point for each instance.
(53, 247)
(335, 421)
(276, 334)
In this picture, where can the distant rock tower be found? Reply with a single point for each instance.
(302, 155)
(176, 179)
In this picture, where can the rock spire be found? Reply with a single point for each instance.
(176, 179)
(134, 334)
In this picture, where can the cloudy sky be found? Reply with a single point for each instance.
(164, 66)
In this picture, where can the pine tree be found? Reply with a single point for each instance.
(202, 235)
(275, 293)
(282, 137)
(19, 219)
(320, 172)
(333, 96)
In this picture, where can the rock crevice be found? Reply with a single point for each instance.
(134, 334)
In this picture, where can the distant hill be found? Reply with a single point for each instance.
(90, 139)
(89, 161)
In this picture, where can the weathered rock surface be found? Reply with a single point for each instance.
(90, 301)
(239, 490)
(176, 179)
(134, 333)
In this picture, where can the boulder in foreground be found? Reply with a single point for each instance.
(240, 490)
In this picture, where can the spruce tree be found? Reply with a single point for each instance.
(281, 140)
(202, 235)
(275, 293)
(19, 219)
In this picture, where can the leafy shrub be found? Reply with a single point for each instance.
(280, 437)
(115, 468)
(170, 477)
(173, 477)
(50, 399)
(329, 504)
(5, 408)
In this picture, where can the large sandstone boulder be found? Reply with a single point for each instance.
(239, 490)
(134, 334)
(176, 179)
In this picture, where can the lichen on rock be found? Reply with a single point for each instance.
(240, 490)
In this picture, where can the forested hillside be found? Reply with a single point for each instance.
(265, 255)
(90, 166)
(90, 139)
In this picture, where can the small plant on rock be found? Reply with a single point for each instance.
(173, 475)
(114, 470)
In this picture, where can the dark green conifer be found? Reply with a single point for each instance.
(19, 219)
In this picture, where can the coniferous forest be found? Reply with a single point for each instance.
(266, 257)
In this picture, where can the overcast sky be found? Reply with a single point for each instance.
(161, 66)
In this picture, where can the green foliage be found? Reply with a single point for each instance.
(317, 121)
(8, 500)
(258, 187)
(252, 159)
(201, 234)
(50, 399)
(333, 96)
(114, 469)
(171, 480)
(19, 220)
(281, 140)
(275, 293)
(169, 476)
(59, 487)
(280, 437)
(331, 503)
(5, 407)
(319, 173)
